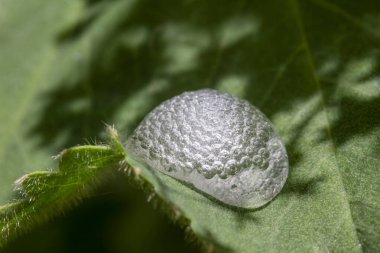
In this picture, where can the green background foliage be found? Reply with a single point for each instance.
(311, 66)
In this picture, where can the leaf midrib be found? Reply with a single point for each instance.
(311, 66)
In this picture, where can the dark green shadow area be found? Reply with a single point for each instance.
(346, 50)
(116, 219)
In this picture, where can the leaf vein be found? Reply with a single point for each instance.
(316, 81)
(347, 16)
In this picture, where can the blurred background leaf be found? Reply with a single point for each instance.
(311, 66)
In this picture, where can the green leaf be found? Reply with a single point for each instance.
(318, 81)
(311, 66)
(44, 194)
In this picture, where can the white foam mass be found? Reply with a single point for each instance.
(218, 143)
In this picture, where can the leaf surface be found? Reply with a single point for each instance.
(311, 66)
